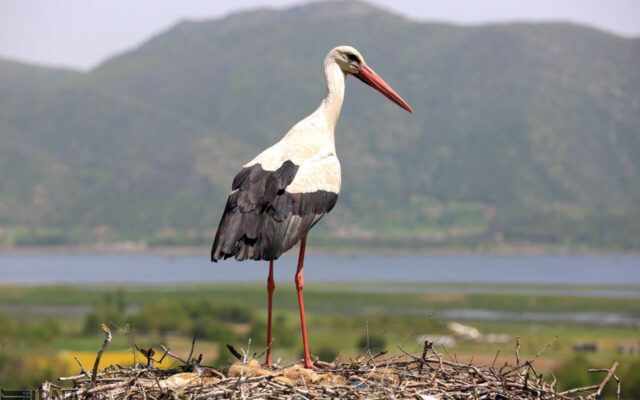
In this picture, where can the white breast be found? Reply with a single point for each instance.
(321, 173)
(309, 139)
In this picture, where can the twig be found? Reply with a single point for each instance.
(107, 340)
(606, 379)
(546, 346)
(578, 390)
(193, 344)
(517, 351)
(84, 371)
(495, 358)
(148, 354)
(427, 345)
(166, 350)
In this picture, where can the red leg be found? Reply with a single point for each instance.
(299, 285)
(271, 285)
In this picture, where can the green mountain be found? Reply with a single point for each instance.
(522, 132)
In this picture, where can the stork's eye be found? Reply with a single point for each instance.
(352, 57)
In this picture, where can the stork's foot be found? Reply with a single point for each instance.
(309, 365)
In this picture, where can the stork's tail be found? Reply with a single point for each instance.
(240, 236)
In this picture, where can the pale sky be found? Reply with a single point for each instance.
(82, 33)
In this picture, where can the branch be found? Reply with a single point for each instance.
(84, 371)
(107, 340)
(606, 379)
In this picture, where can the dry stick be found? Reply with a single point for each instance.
(245, 354)
(103, 388)
(259, 355)
(517, 350)
(495, 359)
(417, 359)
(526, 376)
(158, 384)
(366, 327)
(166, 350)
(84, 371)
(528, 364)
(599, 387)
(425, 349)
(193, 344)
(129, 389)
(71, 378)
(555, 380)
(148, 354)
(440, 370)
(538, 354)
(606, 379)
(578, 390)
(107, 340)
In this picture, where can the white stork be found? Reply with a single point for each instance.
(279, 195)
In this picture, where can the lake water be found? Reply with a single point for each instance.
(416, 268)
(607, 275)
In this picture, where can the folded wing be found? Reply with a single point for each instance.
(268, 212)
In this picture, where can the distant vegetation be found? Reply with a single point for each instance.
(43, 328)
(522, 132)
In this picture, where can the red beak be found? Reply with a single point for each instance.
(368, 76)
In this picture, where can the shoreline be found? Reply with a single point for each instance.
(502, 250)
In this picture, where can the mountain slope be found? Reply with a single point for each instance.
(531, 130)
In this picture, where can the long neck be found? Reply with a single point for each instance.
(332, 103)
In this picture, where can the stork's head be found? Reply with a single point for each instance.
(352, 63)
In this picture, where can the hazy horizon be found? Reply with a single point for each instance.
(82, 34)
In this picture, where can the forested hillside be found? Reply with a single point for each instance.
(522, 132)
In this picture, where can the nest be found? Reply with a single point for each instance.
(425, 376)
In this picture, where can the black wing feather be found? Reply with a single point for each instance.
(261, 219)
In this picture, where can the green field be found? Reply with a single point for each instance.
(50, 324)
